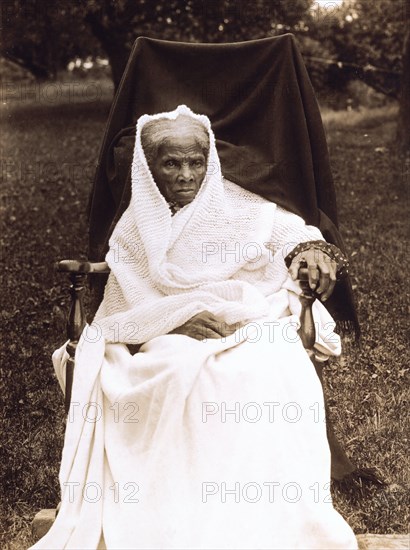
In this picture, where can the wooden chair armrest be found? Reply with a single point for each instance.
(81, 267)
(77, 271)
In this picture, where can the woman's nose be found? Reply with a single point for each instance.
(185, 173)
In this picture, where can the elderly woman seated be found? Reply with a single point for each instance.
(197, 417)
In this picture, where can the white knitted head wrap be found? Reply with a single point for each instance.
(160, 131)
(166, 269)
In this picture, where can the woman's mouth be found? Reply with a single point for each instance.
(184, 191)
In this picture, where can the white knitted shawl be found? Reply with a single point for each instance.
(210, 255)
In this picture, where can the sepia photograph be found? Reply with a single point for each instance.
(204, 212)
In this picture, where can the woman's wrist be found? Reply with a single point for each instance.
(331, 250)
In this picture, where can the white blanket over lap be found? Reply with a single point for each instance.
(154, 459)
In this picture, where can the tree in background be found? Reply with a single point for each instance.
(43, 35)
(403, 126)
(366, 37)
(370, 40)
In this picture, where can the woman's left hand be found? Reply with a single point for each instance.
(322, 271)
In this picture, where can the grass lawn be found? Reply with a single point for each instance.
(48, 155)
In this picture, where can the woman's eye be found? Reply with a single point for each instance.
(170, 163)
(198, 163)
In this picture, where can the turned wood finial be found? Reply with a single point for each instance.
(307, 331)
(75, 326)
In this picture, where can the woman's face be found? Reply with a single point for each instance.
(179, 169)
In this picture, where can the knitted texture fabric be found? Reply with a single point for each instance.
(223, 253)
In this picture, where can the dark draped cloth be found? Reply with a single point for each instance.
(268, 128)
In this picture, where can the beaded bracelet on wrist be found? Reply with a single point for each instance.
(331, 250)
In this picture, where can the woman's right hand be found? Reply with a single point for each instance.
(205, 325)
